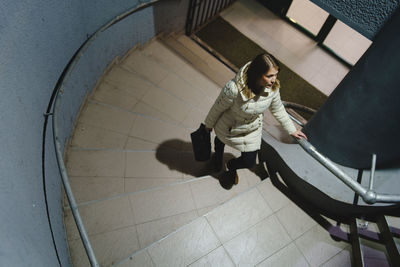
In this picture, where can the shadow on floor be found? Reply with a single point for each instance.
(178, 155)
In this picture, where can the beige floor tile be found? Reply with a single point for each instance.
(295, 220)
(128, 82)
(289, 256)
(188, 43)
(111, 247)
(373, 250)
(203, 211)
(156, 131)
(393, 221)
(88, 136)
(93, 188)
(238, 13)
(200, 82)
(152, 231)
(239, 214)
(108, 248)
(185, 246)
(145, 66)
(216, 258)
(78, 253)
(167, 103)
(194, 117)
(208, 192)
(317, 246)
(163, 54)
(139, 184)
(141, 259)
(257, 243)
(107, 118)
(284, 41)
(249, 177)
(165, 202)
(182, 89)
(206, 104)
(96, 163)
(342, 259)
(112, 95)
(151, 164)
(275, 198)
(101, 217)
(134, 143)
(202, 62)
(144, 109)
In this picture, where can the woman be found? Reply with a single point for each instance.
(237, 115)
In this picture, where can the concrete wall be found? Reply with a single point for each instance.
(365, 16)
(37, 39)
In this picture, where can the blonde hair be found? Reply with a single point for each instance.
(260, 65)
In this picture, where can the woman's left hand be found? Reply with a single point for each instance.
(299, 134)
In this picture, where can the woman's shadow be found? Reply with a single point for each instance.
(178, 155)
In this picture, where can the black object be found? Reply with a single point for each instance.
(228, 178)
(201, 143)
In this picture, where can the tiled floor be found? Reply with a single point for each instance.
(289, 45)
(145, 201)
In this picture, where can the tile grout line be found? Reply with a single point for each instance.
(158, 61)
(169, 149)
(138, 114)
(170, 216)
(182, 227)
(142, 191)
(294, 242)
(159, 87)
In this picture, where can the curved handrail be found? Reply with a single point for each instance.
(57, 144)
(368, 195)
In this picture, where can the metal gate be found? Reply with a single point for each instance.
(202, 11)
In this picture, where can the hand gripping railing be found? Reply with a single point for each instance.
(57, 143)
(368, 195)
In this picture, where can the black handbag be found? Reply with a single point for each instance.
(201, 143)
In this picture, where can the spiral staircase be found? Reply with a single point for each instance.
(144, 200)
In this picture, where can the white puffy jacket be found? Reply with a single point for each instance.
(237, 114)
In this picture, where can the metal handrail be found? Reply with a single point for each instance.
(368, 195)
(57, 144)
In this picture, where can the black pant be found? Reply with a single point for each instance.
(246, 159)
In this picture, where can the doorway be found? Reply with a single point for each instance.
(334, 36)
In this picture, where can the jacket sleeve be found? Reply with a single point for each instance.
(278, 111)
(223, 102)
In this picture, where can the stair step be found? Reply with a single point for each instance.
(234, 221)
(155, 212)
(201, 60)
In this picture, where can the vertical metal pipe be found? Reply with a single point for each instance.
(214, 8)
(210, 3)
(388, 240)
(198, 8)
(203, 12)
(356, 244)
(219, 5)
(373, 165)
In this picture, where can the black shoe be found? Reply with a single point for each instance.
(228, 178)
